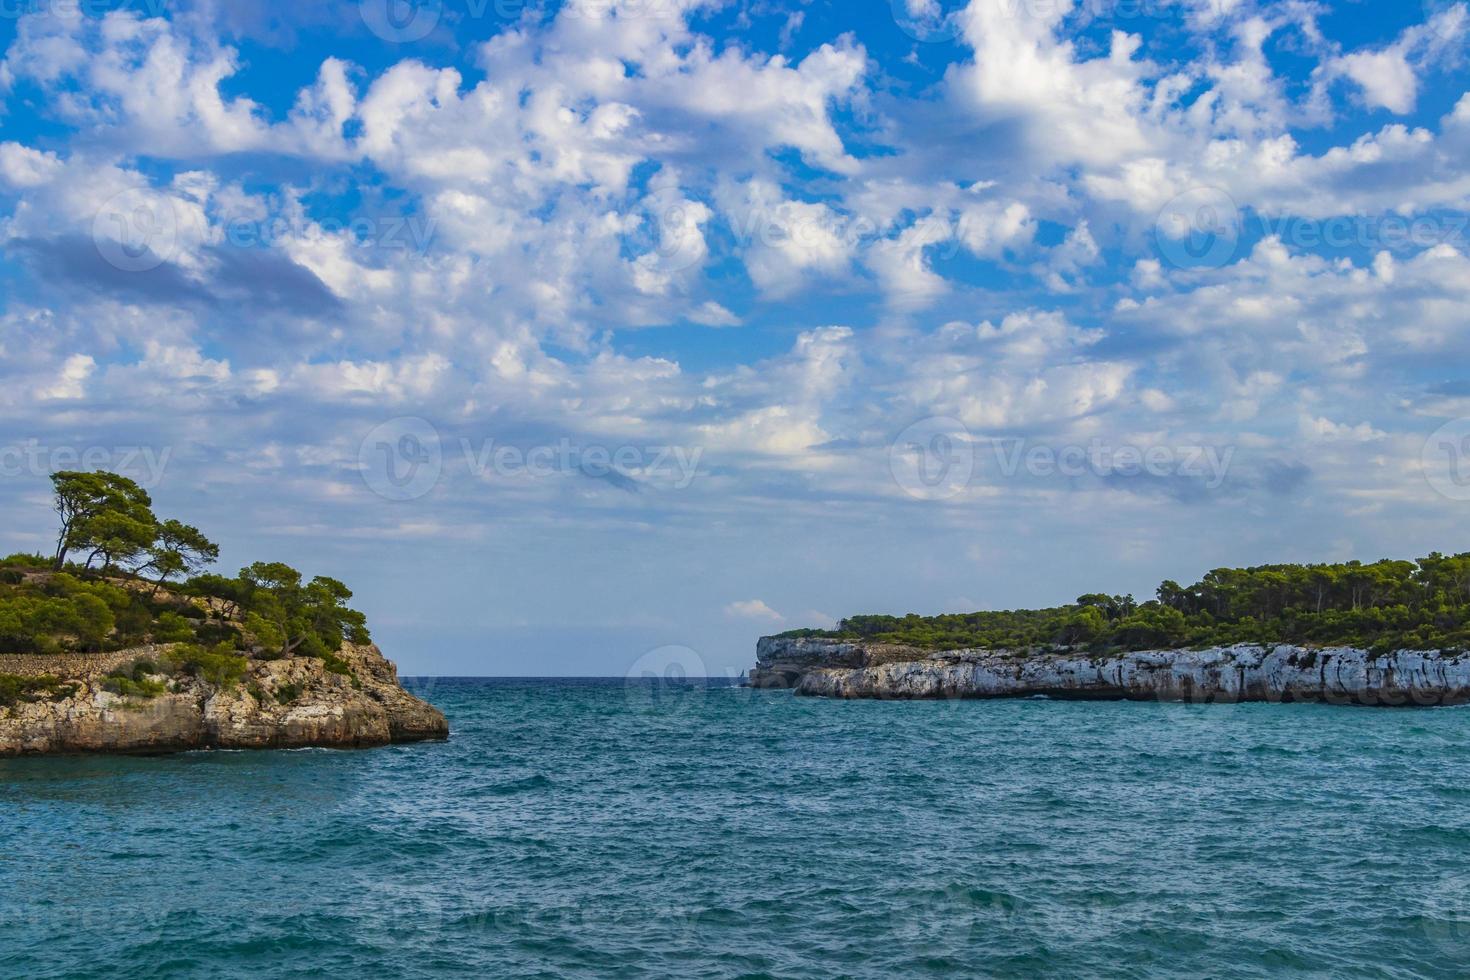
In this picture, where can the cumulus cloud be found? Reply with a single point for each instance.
(472, 229)
(753, 609)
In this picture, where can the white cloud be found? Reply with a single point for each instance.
(752, 609)
(24, 168)
(893, 252)
(712, 314)
(1389, 77)
(71, 381)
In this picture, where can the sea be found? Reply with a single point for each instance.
(605, 828)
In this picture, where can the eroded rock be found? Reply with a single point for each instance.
(290, 703)
(1339, 675)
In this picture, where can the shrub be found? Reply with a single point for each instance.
(170, 627)
(135, 680)
(214, 634)
(336, 664)
(148, 687)
(15, 689)
(219, 665)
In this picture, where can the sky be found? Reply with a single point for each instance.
(603, 337)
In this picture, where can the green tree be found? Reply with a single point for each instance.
(91, 620)
(290, 618)
(231, 592)
(104, 514)
(179, 549)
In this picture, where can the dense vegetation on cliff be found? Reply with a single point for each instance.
(120, 577)
(1386, 605)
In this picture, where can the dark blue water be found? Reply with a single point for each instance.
(588, 829)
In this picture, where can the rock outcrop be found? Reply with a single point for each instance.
(290, 703)
(1339, 675)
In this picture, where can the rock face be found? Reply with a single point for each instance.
(1337, 675)
(291, 703)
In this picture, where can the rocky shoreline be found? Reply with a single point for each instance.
(288, 703)
(818, 667)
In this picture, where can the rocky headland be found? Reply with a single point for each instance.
(839, 668)
(123, 641)
(355, 701)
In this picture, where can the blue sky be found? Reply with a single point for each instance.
(587, 338)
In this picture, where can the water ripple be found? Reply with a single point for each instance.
(585, 830)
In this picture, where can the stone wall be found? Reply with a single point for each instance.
(73, 666)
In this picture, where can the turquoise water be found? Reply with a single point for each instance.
(589, 829)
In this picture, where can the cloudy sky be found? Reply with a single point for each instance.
(582, 337)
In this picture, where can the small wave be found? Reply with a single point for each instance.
(526, 785)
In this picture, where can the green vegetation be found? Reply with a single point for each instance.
(1387, 605)
(220, 666)
(121, 578)
(138, 680)
(15, 689)
(290, 618)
